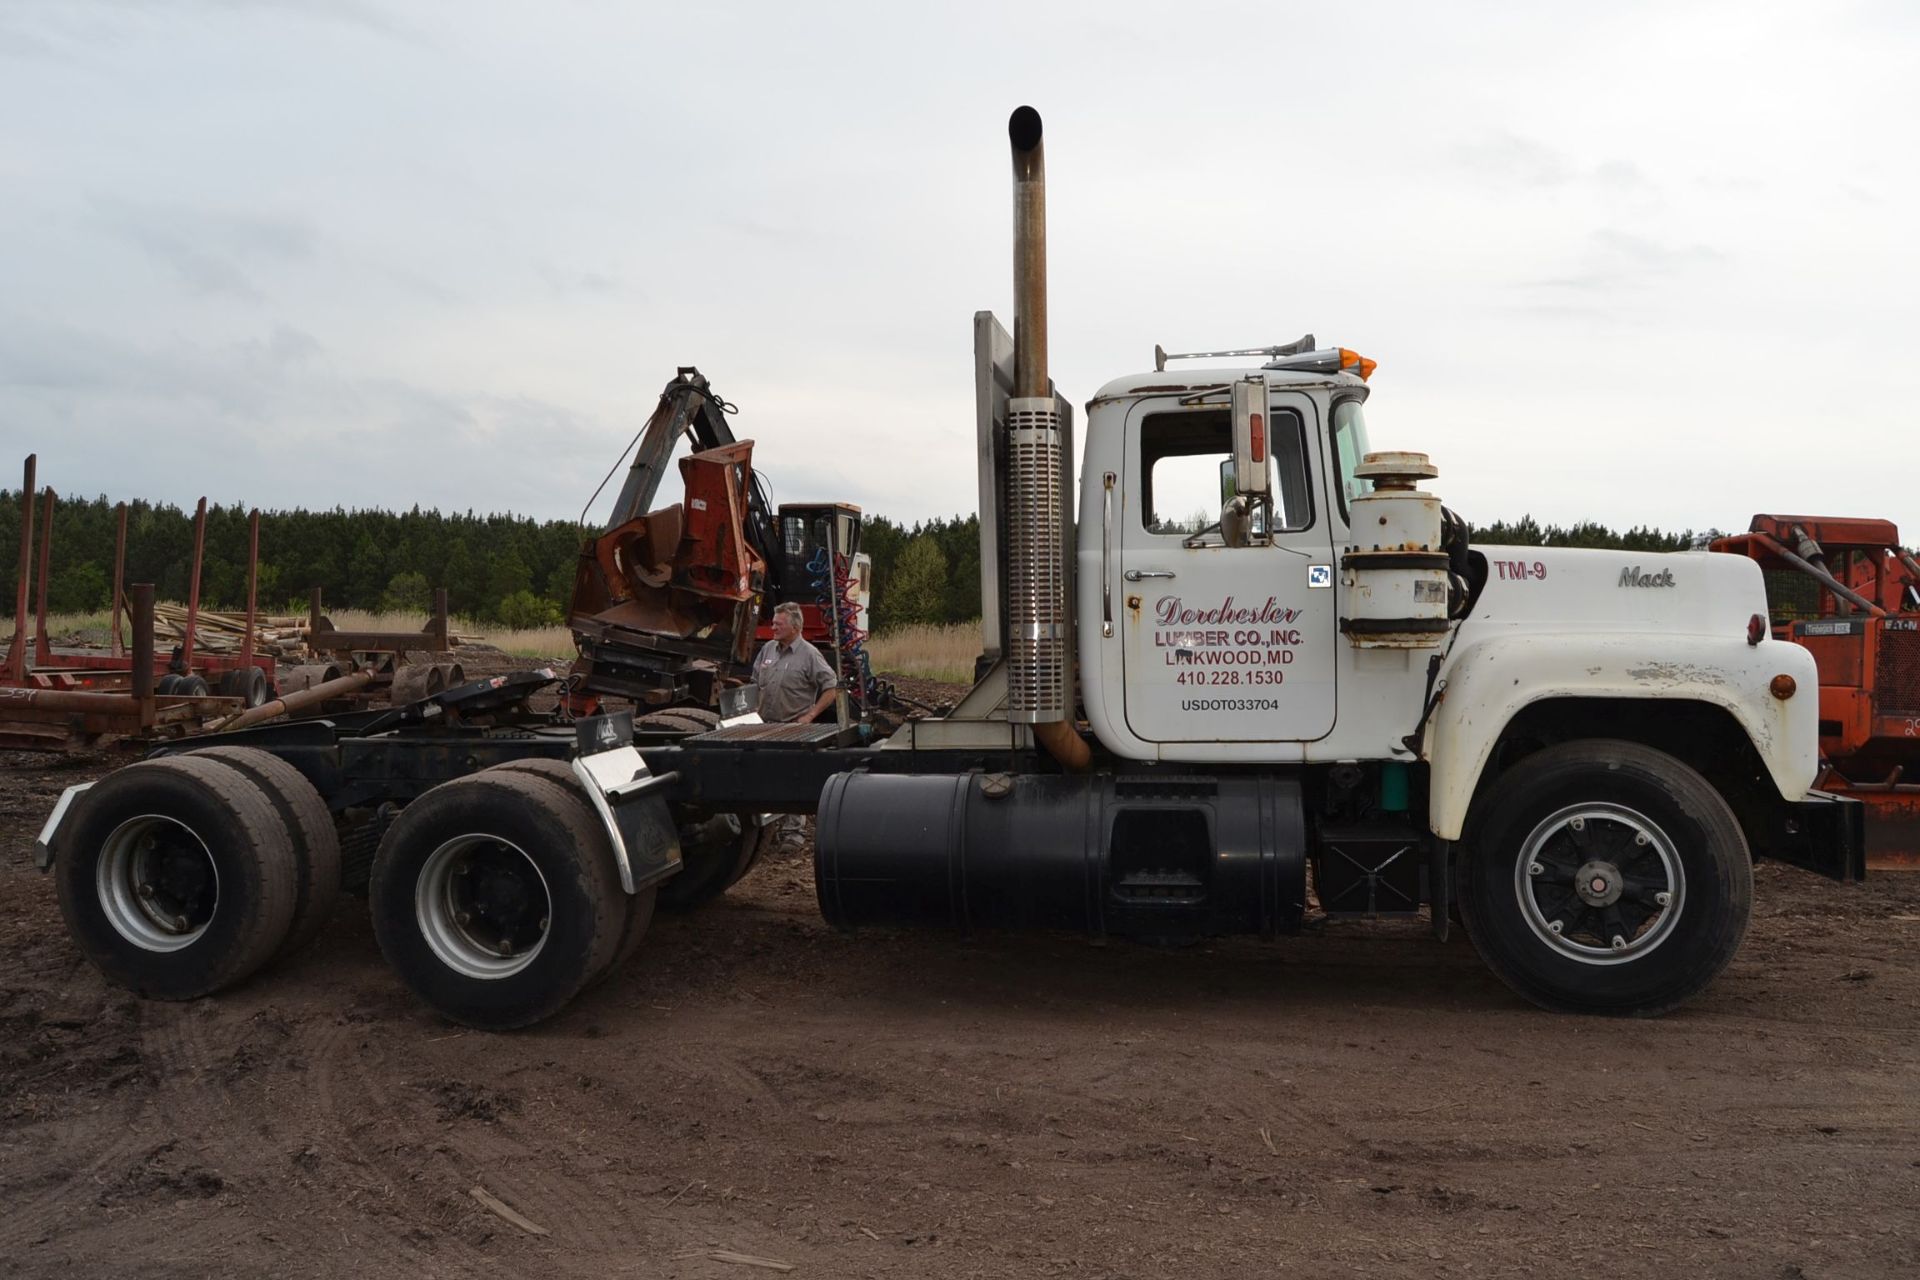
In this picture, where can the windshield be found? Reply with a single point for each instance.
(1349, 447)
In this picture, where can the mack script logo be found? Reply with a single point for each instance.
(1634, 578)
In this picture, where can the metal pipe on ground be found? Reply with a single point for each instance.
(298, 701)
(84, 701)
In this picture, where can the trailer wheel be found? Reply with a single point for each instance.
(192, 686)
(177, 877)
(1605, 877)
(311, 831)
(249, 684)
(493, 902)
(639, 905)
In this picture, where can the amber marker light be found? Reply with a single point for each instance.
(1782, 687)
(1358, 363)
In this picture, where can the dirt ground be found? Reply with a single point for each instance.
(1363, 1100)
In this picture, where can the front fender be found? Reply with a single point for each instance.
(1491, 678)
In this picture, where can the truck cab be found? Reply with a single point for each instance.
(1210, 647)
(1246, 646)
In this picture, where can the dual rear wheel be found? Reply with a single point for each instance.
(497, 897)
(181, 876)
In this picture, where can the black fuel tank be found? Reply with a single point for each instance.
(1160, 856)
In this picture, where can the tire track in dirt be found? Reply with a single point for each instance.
(190, 1049)
(358, 1130)
(75, 1164)
(434, 1124)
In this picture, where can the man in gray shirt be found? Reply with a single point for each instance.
(795, 681)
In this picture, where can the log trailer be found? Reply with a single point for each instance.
(1241, 670)
(1847, 590)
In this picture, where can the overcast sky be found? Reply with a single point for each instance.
(1639, 263)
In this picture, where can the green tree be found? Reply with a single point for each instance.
(524, 611)
(407, 592)
(80, 588)
(918, 592)
(508, 575)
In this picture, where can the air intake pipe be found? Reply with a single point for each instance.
(1039, 637)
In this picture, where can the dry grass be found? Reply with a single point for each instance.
(532, 642)
(537, 642)
(88, 628)
(929, 653)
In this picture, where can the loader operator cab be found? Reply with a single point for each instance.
(810, 536)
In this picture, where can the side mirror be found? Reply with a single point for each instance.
(1251, 475)
(1236, 521)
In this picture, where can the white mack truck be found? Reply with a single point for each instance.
(1262, 676)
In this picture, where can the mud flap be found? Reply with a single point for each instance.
(1826, 834)
(631, 802)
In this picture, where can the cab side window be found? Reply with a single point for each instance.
(1186, 472)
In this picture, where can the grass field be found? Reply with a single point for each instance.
(930, 653)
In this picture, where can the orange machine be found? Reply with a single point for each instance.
(1848, 591)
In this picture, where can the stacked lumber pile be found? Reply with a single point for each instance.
(280, 637)
(275, 636)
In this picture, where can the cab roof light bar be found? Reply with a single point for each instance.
(1302, 356)
(1161, 355)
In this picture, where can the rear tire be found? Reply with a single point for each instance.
(715, 855)
(1605, 877)
(639, 905)
(493, 902)
(176, 877)
(310, 830)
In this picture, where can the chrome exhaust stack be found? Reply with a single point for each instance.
(1039, 598)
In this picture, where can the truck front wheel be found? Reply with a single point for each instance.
(1605, 877)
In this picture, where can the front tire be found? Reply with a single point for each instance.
(1605, 877)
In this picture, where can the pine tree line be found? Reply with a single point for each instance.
(1528, 532)
(502, 568)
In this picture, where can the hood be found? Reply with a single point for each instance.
(1690, 592)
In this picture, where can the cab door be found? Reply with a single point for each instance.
(1224, 643)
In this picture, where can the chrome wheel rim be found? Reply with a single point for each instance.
(157, 883)
(1600, 883)
(483, 906)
